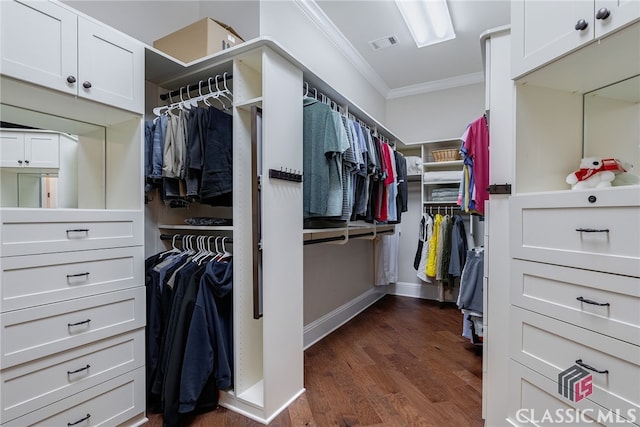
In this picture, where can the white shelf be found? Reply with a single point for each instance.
(444, 164)
(441, 182)
(246, 105)
(442, 203)
(254, 395)
(196, 227)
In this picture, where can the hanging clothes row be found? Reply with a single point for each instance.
(470, 297)
(188, 147)
(475, 173)
(442, 250)
(350, 172)
(189, 333)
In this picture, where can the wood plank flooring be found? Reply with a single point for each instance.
(402, 362)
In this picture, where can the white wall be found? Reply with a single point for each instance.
(435, 115)
(149, 20)
(286, 23)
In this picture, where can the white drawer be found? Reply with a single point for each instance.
(36, 332)
(30, 386)
(534, 400)
(550, 347)
(31, 280)
(39, 231)
(569, 294)
(564, 228)
(119, 401)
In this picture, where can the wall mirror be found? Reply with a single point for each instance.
(612, 122)
(50, 162)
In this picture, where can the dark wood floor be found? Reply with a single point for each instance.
(402, 362)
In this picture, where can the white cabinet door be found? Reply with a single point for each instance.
(613, 14)
(41, 150)
(542, 31)
(11, 149)
(39, 44)
(110, 67)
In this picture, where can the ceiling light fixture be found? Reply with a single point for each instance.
(429, 21)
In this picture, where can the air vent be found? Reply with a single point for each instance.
(384, 42)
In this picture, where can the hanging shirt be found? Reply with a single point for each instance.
(433, 246)
(324, 141)
(476, 147)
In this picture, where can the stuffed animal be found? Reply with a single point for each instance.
(594, 172)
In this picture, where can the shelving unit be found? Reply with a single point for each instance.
(430, 165)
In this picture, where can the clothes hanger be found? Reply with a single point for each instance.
(225, 254)
(223, 92)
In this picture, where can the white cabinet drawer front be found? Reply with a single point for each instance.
(572, 295)
(26, 233)
(36, 332)
(567, 229)
(119, 401)
(30, 386)
(534, 401)
(550, 347)
(32, 280)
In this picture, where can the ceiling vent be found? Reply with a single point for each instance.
(384, 42)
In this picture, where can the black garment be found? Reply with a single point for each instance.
(402, 198)
(178, 338)
(217, 168)
(198, 125)
(459, 247)
(421, 239)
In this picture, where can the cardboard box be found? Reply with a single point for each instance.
(202, 38)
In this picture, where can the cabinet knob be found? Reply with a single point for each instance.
(603, 13)
(581, 25)
(26, 161)
(19, 162)
(86, 85)
(71, 79)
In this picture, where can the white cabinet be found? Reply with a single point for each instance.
(49, 45)
(543, 32)
(442, 172)
(29, 149)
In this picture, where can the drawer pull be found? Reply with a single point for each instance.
(588, 301)
(69, 276)
(78, 323)
(79, 421)
(592, 230)
(77, 230)
(591, 368)
(78, 370)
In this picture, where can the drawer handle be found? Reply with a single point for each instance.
(69, 276)
(77, 230)
(592, 230)
(78, 323)
(591, 368)
(79, 421)
(588, 301)
(78, 370)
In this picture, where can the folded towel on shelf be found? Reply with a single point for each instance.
(414, 165)
(436, 176)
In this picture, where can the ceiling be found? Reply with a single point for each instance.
(405, 69)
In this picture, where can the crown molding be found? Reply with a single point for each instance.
(322, 21)
(436, 85)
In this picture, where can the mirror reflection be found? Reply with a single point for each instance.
(612, 126)
(50, 162)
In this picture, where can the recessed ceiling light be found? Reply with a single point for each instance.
(428, 20)
(383, 42)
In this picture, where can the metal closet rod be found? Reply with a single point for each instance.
(180, 236)
(192, 87)
(343, 237)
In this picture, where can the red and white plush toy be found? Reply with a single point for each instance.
(594, 172)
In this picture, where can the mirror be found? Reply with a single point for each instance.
(612, 125)
(50, 162)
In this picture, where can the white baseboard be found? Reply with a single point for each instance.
(416, 290)
(320, 328)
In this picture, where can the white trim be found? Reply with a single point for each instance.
(436, 85)
(414, 290)
(322, 21)
(328, 323)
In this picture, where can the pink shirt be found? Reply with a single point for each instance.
(476, 141)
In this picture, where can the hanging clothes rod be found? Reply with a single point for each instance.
(192, 87)
(180, 236)
(343, 237)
